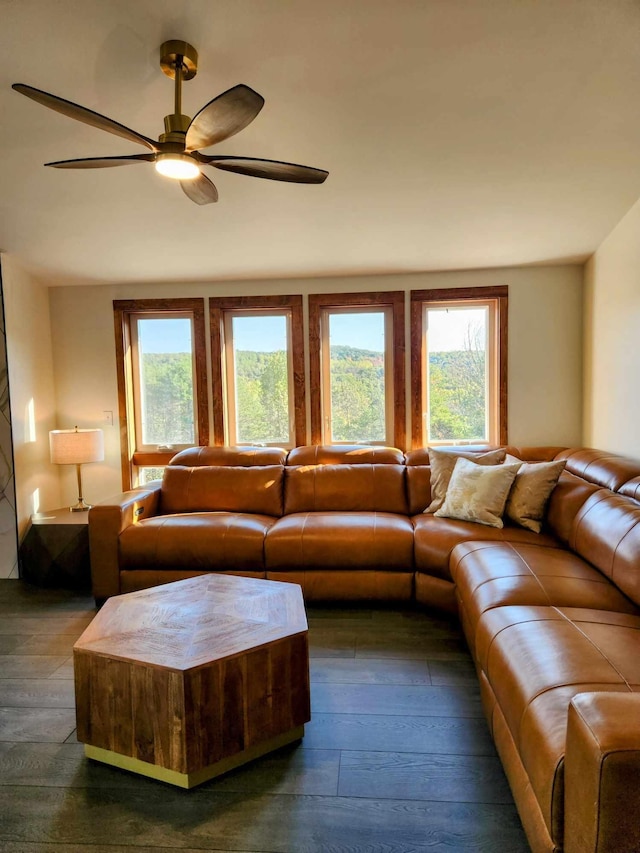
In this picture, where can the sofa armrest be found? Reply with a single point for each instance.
(107, 520)
(602, 774)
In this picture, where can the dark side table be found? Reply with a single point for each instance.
(55, 550)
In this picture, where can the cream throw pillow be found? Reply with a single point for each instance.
(478, 492)
(531, 490)
(442, 463)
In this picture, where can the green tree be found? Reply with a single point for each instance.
(167, 398)
(262, 396)
(274, 392)
(457, 391)
(249, 409)
(357, 394)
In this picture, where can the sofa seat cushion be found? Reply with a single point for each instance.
(332, 540)
(536, 659)
(435, 538)
(211, 541)
(494, 574)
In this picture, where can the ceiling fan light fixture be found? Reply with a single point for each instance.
(181, 167)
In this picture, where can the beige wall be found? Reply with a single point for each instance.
(31, 386)
(545, 344)
(611, 333)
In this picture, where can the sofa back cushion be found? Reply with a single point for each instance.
(418, 488)
(597, 466)
(565, 502)
(352, 454)
(606, 532)
(540, 453)
(222, 488)
(244, 456)
(345, 488)
(631, 488)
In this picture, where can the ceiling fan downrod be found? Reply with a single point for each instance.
(178, 60)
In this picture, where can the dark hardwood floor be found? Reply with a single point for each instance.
(396, 758)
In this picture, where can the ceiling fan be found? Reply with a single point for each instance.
(177, 153)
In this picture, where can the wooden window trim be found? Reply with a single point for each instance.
(122, 311)
(454, 294)
(217, 307)
(393, 299)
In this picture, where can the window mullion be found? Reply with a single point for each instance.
(231, 401)
(389, 391)
(137, 393)
(325, 388)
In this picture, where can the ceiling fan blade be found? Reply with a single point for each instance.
(201, 190)
(274, 170)
(225, 115)
(101, 162)
(68, 108)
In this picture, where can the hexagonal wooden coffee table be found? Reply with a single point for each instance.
(188, 680)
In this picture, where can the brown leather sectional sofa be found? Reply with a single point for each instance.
(552, 619)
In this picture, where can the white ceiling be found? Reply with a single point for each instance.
(457, 134)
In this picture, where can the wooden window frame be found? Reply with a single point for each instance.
(394, 300)
(123, 310)
(221, 305)
(420, 299)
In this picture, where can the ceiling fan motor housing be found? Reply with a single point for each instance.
(175, 127)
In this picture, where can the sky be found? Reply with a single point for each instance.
(363, 330)
(260, 334)
(172, 335)
(266, 334)
(263, 334)
(448, 327)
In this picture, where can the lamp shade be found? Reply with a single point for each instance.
(76, 446)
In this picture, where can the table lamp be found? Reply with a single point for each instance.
(76, 447)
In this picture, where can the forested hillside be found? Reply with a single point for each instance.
(457, 402)
(167, 398)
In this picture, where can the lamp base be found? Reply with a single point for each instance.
(81, 506)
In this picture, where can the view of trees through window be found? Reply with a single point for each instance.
(355, 380)
(166, 387)
(457, 374)
(456, 377)
(357, 394)
(262, 396)
(258, 378)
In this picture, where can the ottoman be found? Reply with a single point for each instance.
(188, 680)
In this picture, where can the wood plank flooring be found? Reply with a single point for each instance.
(396, 759)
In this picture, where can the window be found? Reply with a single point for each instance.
(258, 370)
(458, 355)
(356, 344)
(161, 382)
(147, 475)
(258, 378)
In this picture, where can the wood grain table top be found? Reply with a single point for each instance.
(189, 623)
